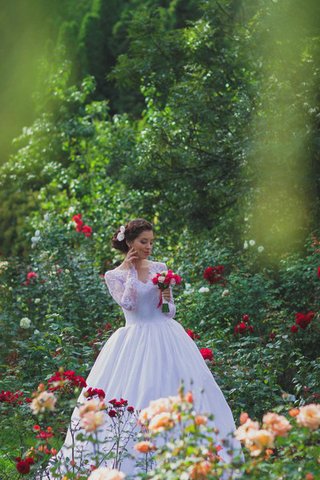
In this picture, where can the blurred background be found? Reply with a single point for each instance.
(205, 108)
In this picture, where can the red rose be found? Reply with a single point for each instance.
(272, 336)
(214, 274)
(318, 272)
(310, 315)
(294, 329)
(45, 435)
(240, 328)
(130, 409)
(112, 413)
(77, 218)
(23, 467)
(245, 318)
(31, 275)
(303, 320)
(206, 353)
(86, 230)
(192, 334)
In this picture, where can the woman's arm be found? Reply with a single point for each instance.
(122, 287)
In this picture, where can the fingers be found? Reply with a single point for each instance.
(131, 256)
(166, 294)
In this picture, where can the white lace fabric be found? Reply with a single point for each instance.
(124, 284)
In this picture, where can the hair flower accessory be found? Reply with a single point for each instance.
(120, 235)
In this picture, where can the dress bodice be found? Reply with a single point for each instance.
(138, 300)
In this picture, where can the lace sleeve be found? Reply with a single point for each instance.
(172, 307)
(122, 287)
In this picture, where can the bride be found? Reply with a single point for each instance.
(152, 354)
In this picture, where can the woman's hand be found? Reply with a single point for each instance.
(166, 294)
(130, 259)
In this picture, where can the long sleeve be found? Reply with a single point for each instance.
(172, 307)
(122, 287)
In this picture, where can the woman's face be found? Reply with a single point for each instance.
(143, 244)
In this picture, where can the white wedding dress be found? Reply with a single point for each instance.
(150, 356)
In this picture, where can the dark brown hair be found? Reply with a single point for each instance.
(132, 231)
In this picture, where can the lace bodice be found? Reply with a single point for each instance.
(139, 300)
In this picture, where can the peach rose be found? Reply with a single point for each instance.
(294, 412)
(90, 406)
(42, 402)
(243, 417)
(155, 407)
(242, 432)
(90, 421)
(277, 424)
(144, 416)
(160, 422)
(105, 473)
(144, 447)
(309, 416)
(200, 470)
(200, 420)
(189, 397)
(259, 440)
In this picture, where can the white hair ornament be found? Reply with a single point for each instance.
(120, 235)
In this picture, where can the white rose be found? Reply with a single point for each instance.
(161, 279)
(245, 245)
(36, 332)
(25, 322)
(37, 300)
(188, 292)
(203, 290)
(252, 243)
(260, 249)
(225, 293)
(37, 233)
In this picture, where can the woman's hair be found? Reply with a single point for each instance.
(132, 231)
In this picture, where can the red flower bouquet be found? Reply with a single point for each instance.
(164, 280)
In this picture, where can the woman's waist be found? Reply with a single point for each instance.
(133, 318)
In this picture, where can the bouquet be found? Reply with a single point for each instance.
(164, 280)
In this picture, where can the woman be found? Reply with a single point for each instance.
(152, 354)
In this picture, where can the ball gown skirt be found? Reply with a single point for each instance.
(148, 358)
